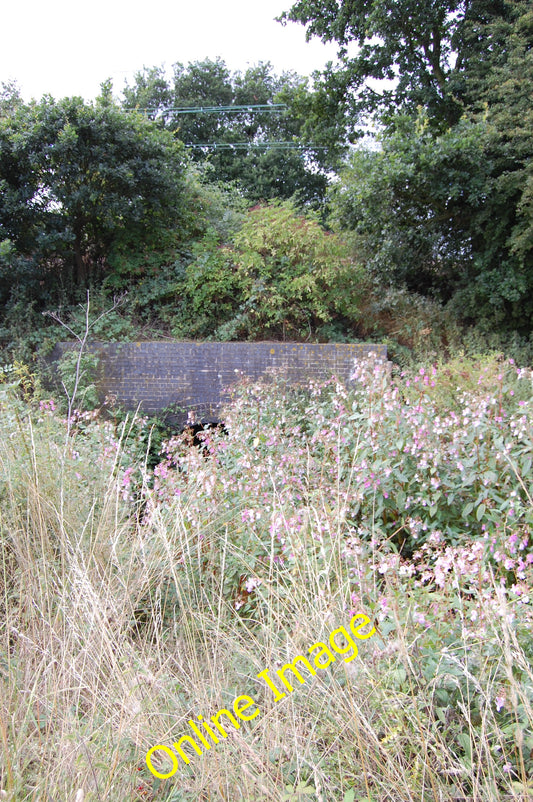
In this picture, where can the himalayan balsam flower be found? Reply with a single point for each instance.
(47, 406)
(251, 583)
(126, 479)
(384, 605)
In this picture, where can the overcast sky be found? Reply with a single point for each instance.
(63, 48)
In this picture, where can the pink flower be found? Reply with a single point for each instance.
(421, 619)
(384, 604)
(161, 470)
(126, 479)
(356, 600)
(47, 406)
(251, 583)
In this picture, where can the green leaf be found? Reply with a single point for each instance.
(467, 509)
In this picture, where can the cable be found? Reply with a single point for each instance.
(270, 107)
(246, 145)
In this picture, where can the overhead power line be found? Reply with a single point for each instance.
(253, 108)
(246, 145)
(259, 108)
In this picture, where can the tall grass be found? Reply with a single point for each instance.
(133, 601)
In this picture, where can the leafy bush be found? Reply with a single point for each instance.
(282, 275)
(78, 377)
(422, 207)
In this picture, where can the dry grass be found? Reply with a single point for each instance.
(109, 644)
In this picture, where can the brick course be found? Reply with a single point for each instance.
(195, 376)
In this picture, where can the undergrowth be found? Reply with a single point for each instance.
(136, 598)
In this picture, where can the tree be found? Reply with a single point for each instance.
(427, 50)
(264, 152)
(505, 100)
(80, 181)
(503, 228)
(413, 204)
(444, 205)
(10, 98)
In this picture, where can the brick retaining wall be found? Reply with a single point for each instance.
(193, 376)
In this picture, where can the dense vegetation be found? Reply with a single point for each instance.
(444, 206)
(263, 132)
(150, 191)
(137, 598)
(145, 579)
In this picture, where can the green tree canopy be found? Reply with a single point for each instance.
(413, 204)
(79, 180)
(266, 152)
(444, 204)
(398, 55)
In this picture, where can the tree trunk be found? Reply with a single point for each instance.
(81, 266)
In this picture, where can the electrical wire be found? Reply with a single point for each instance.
(259, 108)
(247, 145)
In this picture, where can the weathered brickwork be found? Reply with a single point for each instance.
(195, 376)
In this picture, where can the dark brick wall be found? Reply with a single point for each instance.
(195, 375)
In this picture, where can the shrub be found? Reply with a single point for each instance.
(78, 376)
(282, 275)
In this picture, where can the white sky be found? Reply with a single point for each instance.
(62, 48)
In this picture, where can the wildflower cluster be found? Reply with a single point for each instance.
(405, 495)
(409, 464)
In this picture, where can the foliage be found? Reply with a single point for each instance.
(161, 594)
(502, 230)
(80, 374)
(282, 275)
(10, 98)
(299, 167)
(154, 274)
(412, 203)
(425, 51)
(81, 180)
(437, 451)
(419, 330)
(22, 381)
(443, 204)
(446, 212)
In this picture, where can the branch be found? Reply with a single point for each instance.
(118, 300)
